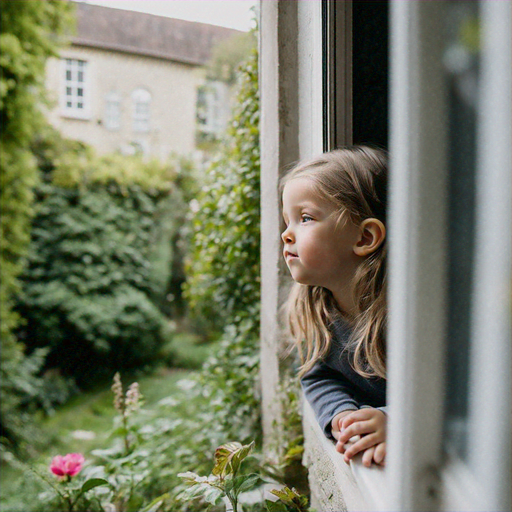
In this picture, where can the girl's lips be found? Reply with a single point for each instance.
(289, 255)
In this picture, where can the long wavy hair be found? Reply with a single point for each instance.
(354, 179)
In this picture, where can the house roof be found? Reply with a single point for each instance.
(146, 34)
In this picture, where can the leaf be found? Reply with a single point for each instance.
(291, 498)
(242, 483)
(205, 489)
(192, 478)
(155, 504)
(229, 456)
(92, 483)
(275, 506)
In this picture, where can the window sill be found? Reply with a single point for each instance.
(335, 485)
(80, 116)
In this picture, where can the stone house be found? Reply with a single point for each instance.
(129, 81)
(431, 81)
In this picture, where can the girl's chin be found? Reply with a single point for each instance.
(303, 280)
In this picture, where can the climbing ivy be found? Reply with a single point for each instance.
(29, 35)
(224, 276)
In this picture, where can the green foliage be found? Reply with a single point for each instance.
(290, 498)
(70, 495)
(230, 379)
(28, 36)
(89, 284)
(146, 450)
(224, 479)
(224, 275)
(224, 284)
(288, 469)
(229, 55)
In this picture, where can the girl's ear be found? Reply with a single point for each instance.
(372, 233)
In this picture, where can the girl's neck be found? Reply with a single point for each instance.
(345, 299)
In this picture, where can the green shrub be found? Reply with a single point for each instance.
(90, 287)
(224, 270)
(224, 285)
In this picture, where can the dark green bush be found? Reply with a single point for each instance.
(90, 286)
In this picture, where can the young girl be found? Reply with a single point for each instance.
(334, 207)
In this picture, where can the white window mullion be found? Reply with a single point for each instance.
(418, 221)
(490, 391)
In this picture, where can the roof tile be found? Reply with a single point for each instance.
(147, 34)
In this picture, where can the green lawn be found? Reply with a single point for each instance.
(94, 412)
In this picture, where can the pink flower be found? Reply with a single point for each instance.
(69, 465)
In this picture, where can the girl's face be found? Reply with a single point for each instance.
(318, 248)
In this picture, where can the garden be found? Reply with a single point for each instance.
(129, 310)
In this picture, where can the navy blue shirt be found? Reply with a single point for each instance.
(333, 386)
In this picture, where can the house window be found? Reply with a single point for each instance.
(112, 111)
(141, 99)
(75, 94)
(211, 108)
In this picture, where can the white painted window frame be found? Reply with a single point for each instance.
(113, 111)
(141, 110)
(214, 107)
(419, 476)
(73, 111)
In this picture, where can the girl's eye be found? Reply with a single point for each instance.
(306, 218)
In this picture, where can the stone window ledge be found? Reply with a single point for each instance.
(335, 485)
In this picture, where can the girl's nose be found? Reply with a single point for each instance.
(287, 236)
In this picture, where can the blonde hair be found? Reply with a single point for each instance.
(354, 179)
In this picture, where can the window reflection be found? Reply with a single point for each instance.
(461, 63)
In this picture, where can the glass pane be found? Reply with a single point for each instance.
(80, 76)
(461, 63)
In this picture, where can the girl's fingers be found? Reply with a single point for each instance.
(356, 429)
(368, 456)
(360, 415)
(364, 443)
(335, 434)
(340, 447)
(380, 454)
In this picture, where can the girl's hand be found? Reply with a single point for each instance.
(375, 454)
(336, 423)
(368, 423)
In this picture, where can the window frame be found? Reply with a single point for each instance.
(141, 119)
(420, 475)
(73, 111)
(214, 95)
(111, 122)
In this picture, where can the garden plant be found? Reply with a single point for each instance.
(108, 236)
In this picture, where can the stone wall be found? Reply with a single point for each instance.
(173, 89)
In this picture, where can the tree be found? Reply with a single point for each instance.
(28, 37)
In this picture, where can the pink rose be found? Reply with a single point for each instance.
(69, 465)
